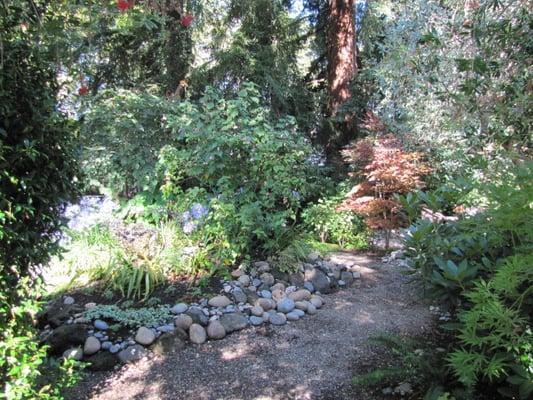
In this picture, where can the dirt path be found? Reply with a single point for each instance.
(314, 358)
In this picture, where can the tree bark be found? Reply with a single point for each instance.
(341, 51)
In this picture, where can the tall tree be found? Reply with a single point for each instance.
(341, 52)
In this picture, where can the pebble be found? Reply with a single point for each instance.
(215, 330)
(277, 294)
(347, 277)
(197, 334)
(311, 309)
(102, 325)
(255, 320)
(292, 316)
(92, 345)
(277, 319)
(300, 313)
(257, 311)
(256, 282)
(266, 304)
(356, 275)
(144, 336)
(106, 345)
(239, 296)
(278, 286)
(220, 301)
(267, 278)
(165, 328)
(114, 348)
(316, 301)
(262, 266)
(68, 300)
(132, 354)
(300, 295)
(237, 273)
(76, 353)
(244, 280)
(183, 321)
(266, 294)
(301, 305)
(286, 305)
(179, 308)
(309, 286)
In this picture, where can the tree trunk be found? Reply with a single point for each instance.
(342, 52)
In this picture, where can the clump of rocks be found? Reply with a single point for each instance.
(255, 296)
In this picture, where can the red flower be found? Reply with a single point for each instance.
(83, 90)
(186, 21)
(123, 5)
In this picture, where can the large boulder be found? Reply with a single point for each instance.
(170, 341)
(233, 322)
(132, 354)
(319, 279)
(64, 336)
(198, 316)
(102, 361)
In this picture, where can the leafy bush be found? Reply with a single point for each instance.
(257, 173)
(495, 341)
(131, 317)
(330, 225)
(123, 131)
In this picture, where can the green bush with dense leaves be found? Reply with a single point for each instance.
(37, 176)
(257, 172)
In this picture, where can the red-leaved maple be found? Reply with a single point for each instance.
(387, 169)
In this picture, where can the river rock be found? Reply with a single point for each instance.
(197, 334)
(239, 296)
(316, 301)
(262, 266)
(102, 325)
(170, 341)
(265, 304)
(286, 305)
(319, 280)
(296, 279)
(68, 300)
(267, 278)
(255, 320)
(179, 308)
(75, 353)
(347, 277)
(92, 345)
(292, 316)
(103, 361)
(300, 295)
(301, 305)
(64, 336)
(132, 354)
(233, 322)
(277, 319)
(144, 336)
(183, 321)
(215, 330)
(257, 311)
(277, 295)
(309, 286)
(219, 301)
(311, 309)
(198, 316)
(244, 280)
(278, 286)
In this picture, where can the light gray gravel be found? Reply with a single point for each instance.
(313, 358)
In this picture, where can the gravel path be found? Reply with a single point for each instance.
(314, 358)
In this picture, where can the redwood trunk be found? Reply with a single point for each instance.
(342, 52)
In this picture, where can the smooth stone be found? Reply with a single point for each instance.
(341, 283)
(286, 305)
(183, 321)
(144, 336)
(262, 266)
(90, 305)
(244, 280)
(316, 301)
(132, 354)
(215, 330)
(300, 295)
(266, 294)
(170, 341)
(66, 336)
(165, 328)
(197, 334)
(256, 282)
(234, 322)
(313, 257)
(236, 273)
(102, 325)
(179, 308)
(309, 286)
(300, 313)
(356, 275)
(115, 348)
(311, 309)
(301, 305)
(277, 319)
(76, 353)
(219, 301)
(106, 345)
(68, 300)
(319, 280)
(102, 361)
(297, 279)
(230, 309)
(255, 320)
(198, 316)
(292, 316)
(265, 304)
(239, 296)
(257, 311)
(267, 278)
(92, 345)
(278, 286)
(277, 295)
(347, 277)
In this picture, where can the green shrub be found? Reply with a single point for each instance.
(131, 317)
(123, 131)
(495, 341)
(345, 228)
(257, 172)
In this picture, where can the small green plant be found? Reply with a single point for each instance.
(293, 255)
(345, 228)
(131, 317)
